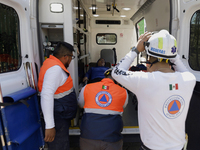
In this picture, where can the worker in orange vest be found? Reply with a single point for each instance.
(58, 98)
(102, 124)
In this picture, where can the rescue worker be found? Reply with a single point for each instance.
(102, 124)
(163, 94)
(58, 98)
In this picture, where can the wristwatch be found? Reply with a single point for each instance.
(135, 49)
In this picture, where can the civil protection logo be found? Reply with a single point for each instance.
(103, 99)
(173, 106)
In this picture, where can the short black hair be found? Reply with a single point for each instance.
(99, 60)
(62, 49)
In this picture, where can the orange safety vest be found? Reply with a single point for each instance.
(48, 63)
(105, 95)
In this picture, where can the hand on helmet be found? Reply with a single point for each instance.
(143, 38)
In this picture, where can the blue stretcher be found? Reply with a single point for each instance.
(20, 122)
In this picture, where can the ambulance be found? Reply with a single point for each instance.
(31, 29)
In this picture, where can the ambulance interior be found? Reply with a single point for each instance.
(99, 26)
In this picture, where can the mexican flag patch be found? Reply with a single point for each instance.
(105, 87)
(173, 86)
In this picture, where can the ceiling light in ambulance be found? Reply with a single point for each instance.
(93, 7)
(126, 9)
(96, 15)
(76, 8)
(56, 7)
(123, 16)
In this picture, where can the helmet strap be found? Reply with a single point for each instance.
(159, 60)
(153, 63)
(171, 64)
(167, 61)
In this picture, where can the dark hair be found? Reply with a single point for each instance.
(141, 67)
(155, 60)
(62, 49)
(134, 68)
(99, 60)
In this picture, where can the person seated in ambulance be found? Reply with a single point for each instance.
(96, 74)
(102, 124)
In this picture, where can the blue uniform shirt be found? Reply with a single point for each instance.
(96, 72)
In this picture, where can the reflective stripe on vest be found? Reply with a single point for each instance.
(104, 96)
(60, 95)
(63, 90)
(102, 111)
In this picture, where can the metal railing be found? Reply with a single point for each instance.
(1, 100)
(29, 74)
(84, 56)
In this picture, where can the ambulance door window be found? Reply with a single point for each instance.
(106, 38)
(194, 48)
(10, 51)
(141, 29)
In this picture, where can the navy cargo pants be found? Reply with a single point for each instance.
(61, 141)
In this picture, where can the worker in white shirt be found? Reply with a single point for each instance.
(163, 93)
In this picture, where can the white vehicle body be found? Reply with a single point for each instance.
(39, 24)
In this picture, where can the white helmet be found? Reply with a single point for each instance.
(162, 45)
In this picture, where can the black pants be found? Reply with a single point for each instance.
(89, 144)
(61, 141)
(143, 147)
